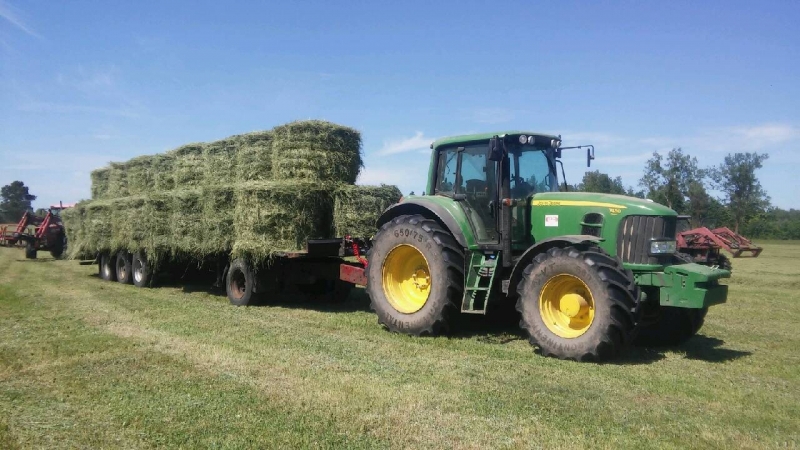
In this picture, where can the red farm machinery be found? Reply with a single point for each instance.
(38, 233)
(705, 246)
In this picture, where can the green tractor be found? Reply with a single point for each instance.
(588, 273)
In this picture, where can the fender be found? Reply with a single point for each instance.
(443, 210)
(541, 247)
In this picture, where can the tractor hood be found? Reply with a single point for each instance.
(615, 204)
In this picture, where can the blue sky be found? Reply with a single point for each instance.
(83, 83)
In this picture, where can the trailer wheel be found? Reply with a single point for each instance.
(107, 270)
(141, 270)
(30, 250)
(123, 267)
(673, 327)
(240, 283)
(578, 304)
(415, 276)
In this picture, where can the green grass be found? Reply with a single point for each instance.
(91, 364)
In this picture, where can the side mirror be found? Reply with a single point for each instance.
(589, 155)
(495, 149)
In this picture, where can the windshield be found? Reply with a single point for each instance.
(530, 172)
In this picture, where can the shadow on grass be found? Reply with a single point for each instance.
(710, 349)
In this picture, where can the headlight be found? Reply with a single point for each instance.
(523, 139)
(662, 247)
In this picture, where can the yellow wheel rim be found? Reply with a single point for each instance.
(566, 306)
(406, 279)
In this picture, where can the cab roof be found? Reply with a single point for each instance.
(468, 138)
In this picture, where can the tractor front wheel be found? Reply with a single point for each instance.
(415, 276)
(30, 250)
(578, 304)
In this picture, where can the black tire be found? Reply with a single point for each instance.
(240, 283)
(107, 267)
(141, 270)
(611, 290)
(30, 250)
(673, 327)
(123, 267)
(444, 265)
(58, 247)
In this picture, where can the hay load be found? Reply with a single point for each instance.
(315, 150)
(251, 195)
(357, 208)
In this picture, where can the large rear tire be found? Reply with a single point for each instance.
(107, 270)
(578, 304)
(415, 276)
(123, 267)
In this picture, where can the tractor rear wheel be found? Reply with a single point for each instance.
(240, 283)
(123, 266)
(141, 269)
(578, 304)
(107, 270)
(415, 276)
(30, 250)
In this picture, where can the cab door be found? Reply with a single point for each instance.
(466, 175)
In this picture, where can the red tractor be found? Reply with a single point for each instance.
(48, 233)
(705, 246)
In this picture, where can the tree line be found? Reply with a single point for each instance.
(677, 181)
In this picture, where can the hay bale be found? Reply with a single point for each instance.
(316, 150)
(74, 225)
(356, 209)
(140, 175)
(161, 168)
(218, 211)
(219, 162)
(188, 168)
(97, 225)
(99, 183)
(186, 222)
(279, 216)
(117, 180)
(254, 156)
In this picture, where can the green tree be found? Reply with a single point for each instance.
(741, 191)
(14, 201)
(596, 181)
(667, 180)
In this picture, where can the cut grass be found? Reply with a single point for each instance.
(87, 363)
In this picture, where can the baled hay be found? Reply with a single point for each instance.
(161, 168)
(316, 150)
(140, 175)
(279, 216)
(219, 162)
(117, 181)
(77, 243)
(357, 208)
(218, 211)
(188, 166)
(186, 222)
(254, 156)
(100, 183)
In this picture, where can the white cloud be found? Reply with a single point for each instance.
(11, 14)
(417, 142)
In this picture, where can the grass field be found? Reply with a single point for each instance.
(92, 364)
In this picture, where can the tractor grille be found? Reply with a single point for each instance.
(635, 234)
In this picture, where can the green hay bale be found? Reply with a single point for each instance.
(161, 168)
(315, 150)
(99, 183)
(219, 162)
(186, 222)
(356, 209)
(97, 225)
(275, 217)
(218, 210)
(140, 175)
(74, 226)
(188, 166)
(155, 227)
(117, 181)
(254, 156)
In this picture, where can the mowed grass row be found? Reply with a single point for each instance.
(87, 363)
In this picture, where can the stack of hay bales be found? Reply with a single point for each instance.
(252, 195)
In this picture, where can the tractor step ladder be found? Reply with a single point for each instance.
(480, 273)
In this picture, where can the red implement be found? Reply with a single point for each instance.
(718, 238)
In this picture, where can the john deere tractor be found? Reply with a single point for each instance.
(588, 273)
